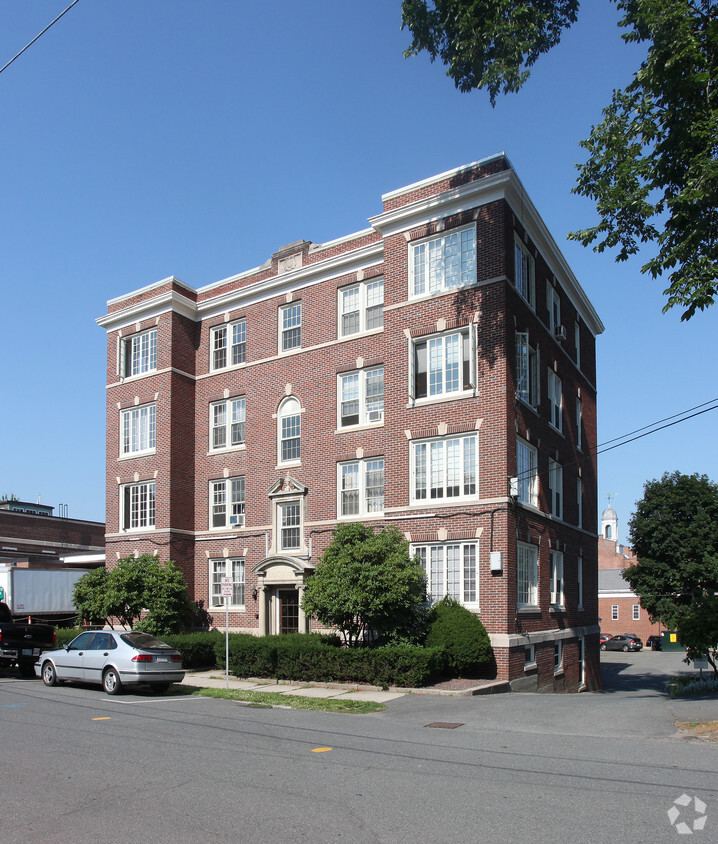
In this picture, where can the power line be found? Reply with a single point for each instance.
(601, 450)
(39, 35)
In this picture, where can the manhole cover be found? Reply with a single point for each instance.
(444, 725)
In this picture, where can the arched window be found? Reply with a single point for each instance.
(608, 531)
(289, 430)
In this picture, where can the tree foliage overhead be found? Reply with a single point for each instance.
(652, 169)
(366, 584)
(674, 534)
(136, 588)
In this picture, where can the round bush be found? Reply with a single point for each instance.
(464, 638)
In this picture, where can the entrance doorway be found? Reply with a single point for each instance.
(288, 610)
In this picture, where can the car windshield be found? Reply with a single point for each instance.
(144, 641)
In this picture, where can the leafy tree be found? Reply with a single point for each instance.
(699, 631)
(652, 168)
(366, 584)
(140, 592)
(674, 533)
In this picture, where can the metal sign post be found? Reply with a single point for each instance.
(227, 588)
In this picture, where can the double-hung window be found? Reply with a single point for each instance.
(526, 575)
(614, 612)
(139, 429)
(229, 344)
(443, 365)
(443, 263)
(138, 506)
(290, 431)
(227, 503)
(290, 327)
(289, 525)
(361, 397)
(636, 612)
(553, 303)
(451, 569)
(361, 487)
(556, 579)
(524, 271)
(579, 582)
(555, 488)
(579, 501)
(231, 567)
(361, 307)
(227, 419)
(527, 370)
(139, 354)
(445, 469)
(557, 656)
(579, 423)
(527, 473)
(555, 398)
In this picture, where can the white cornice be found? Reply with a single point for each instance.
(449, 174)
(276, 285)
(168, 301)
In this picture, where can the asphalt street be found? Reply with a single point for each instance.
(79, 766)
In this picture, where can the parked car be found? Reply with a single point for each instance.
(622, 642)
(604, 637)
(655, 643)
(113, 659)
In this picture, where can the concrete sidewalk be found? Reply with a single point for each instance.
(215, 679)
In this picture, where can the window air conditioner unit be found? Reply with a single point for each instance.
(559, 332)
(375, 415)
(236, 521)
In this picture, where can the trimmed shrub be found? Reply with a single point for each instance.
(64, 635)
(197, 649)
(249, 656)
(464, 639)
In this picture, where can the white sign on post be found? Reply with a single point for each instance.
(227, 588)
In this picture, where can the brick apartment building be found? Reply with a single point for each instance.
(434, 372)
(619, 608)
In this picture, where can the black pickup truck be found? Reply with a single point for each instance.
(21, 644)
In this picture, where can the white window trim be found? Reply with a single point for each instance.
(462, 392)
(283, 330)
(364, 414)
(636, 612)
(558, 656)
(555, 388)
(530, 295)
(532, 579)
(426, 564)
(553, 303)
(442, 236)
(555, 485)
(579, 423)
(530, 663)
(278, 527)
(125, 517)
(152, 449)
(443, 500)
(125, 355)
(556, 580)
(533, 479)
(614, 612)
(281, 415)
(363, 288)
(531, 396)
(227, 425)
(362, 466)
(229, 327)
(213, 605)
(228, 516)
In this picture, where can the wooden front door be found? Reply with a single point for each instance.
(288, 611)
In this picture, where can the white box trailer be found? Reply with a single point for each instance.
(45, 591)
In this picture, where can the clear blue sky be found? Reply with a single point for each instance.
(146, 138)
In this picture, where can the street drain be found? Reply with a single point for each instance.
(444, 725)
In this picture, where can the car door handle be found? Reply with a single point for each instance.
(106, 653)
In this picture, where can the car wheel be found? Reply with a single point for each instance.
(624, 648)
(603, 646)
(160, 688)
(49, 677)
(111, 682)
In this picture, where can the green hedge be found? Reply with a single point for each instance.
(198, 649)
(313, 658)
(464, 638)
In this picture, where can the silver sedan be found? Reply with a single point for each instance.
(113, 659)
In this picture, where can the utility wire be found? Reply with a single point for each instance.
(601, 450)
(39, 35)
